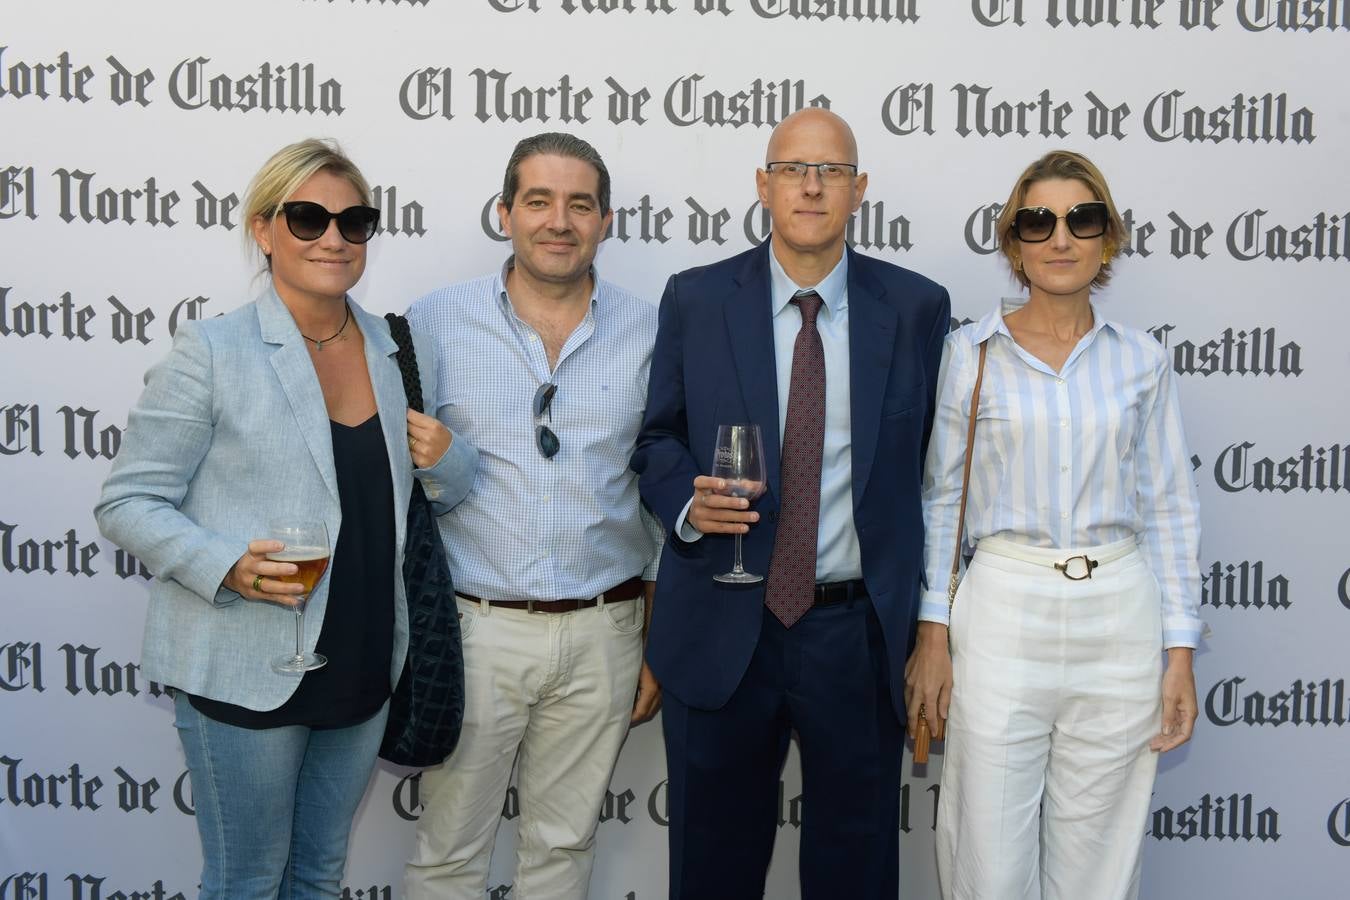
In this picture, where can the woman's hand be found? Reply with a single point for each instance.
(428, 439)
(254, 576)
(1179, 707)
(928, 680)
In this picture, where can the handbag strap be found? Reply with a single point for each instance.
(965, 481)
(407, 360)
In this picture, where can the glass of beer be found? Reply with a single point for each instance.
(305, 547)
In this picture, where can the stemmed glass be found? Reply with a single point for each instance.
(306, 547)
(738, 459)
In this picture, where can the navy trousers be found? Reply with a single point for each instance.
(827, 679)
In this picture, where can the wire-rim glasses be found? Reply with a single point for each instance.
(832, 174)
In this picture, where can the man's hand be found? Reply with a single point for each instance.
(648, 702)
(712, 512)
(1179, 707)
(928, 680)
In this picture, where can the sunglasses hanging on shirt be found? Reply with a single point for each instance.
(545, 441)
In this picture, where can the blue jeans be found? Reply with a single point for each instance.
(275, 805)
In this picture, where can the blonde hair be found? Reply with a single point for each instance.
(1067, 165)
(289, 168)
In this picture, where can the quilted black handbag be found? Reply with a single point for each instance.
(427, 707)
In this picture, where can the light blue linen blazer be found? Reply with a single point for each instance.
(231, 432)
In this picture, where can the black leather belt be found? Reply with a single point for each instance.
(830, 593)
(627, 590)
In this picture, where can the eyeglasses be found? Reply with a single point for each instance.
(544, 439)
(1034, 224)
(308, 221)
(831, 174)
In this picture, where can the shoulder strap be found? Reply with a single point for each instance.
(965, 478)
(407, 361)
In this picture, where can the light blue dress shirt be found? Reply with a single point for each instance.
(1089, 455)
(535, 528)
(837, 555)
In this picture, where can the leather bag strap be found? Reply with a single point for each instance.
(965, 483)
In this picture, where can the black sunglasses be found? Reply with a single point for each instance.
(1034, 224)
(544, 439)
(308, 221)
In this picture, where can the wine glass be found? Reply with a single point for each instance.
(306, 547)
(738, 459)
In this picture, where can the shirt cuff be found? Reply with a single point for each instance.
(1183, 631)
(686, 532)
(933, 607)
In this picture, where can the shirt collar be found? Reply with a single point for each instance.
(833, 288)
(992, 323)
(510, 263)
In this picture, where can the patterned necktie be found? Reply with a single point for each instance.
(791, 586)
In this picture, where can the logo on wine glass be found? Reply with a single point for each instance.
(724, 456)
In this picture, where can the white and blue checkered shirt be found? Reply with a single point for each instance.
(1089, 455)
(535, 528)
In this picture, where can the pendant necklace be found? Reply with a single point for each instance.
(318, 345)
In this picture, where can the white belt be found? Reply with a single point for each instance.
(1077, 567)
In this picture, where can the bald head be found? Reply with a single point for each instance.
(813, 126)
(810, 208)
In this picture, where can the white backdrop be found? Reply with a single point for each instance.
(128, 131)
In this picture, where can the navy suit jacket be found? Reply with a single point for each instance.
(714, 364)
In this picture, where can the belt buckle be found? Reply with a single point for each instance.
(1088, 565)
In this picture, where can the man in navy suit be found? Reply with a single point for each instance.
(835, 356)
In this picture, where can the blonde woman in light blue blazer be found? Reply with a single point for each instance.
(293, 406)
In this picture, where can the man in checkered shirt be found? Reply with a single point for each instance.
(543, 367)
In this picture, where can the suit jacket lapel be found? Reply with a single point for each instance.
(298, 380)
(871, 345)
(749, 323)
(387, 382)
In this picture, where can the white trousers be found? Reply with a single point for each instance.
(1047, 773)
(552, 693)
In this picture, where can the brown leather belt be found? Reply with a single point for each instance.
(626, 590)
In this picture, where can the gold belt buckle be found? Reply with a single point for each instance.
(1088, 565)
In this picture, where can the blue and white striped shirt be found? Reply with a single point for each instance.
(1089, 455)
(535, 528)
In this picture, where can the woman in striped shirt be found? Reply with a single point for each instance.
(1084, 523)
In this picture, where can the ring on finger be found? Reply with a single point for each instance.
(257, 583)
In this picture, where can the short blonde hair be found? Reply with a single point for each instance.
(1067, 165)
(289, 168)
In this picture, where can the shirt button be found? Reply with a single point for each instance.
(1064, 468)
(1063, 515)
(1063, 423)
(1059, 381)
(544, 498)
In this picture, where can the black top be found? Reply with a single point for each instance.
(358, 626)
